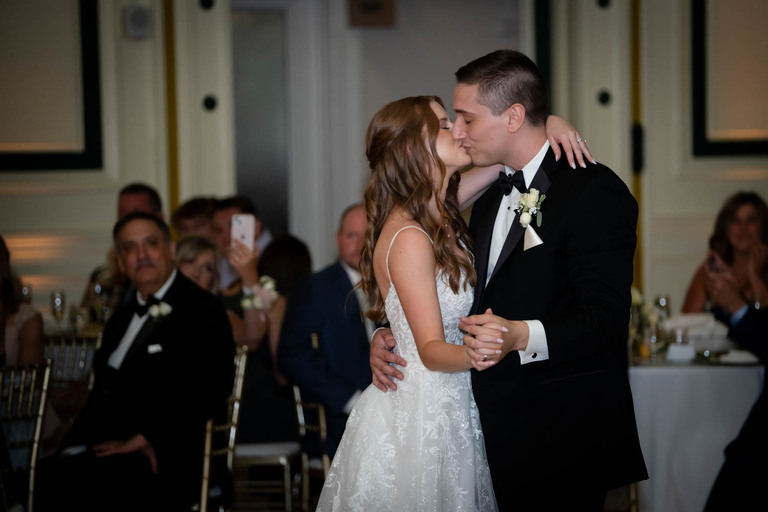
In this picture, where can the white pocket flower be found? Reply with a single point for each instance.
(525, 219)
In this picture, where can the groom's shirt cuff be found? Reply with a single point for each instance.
(537, 349)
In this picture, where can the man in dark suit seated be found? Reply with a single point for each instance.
(334, 372)
(742, 478)
(164, 368)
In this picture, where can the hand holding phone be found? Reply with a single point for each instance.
(244, 229)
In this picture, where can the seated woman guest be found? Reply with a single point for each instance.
(739, 244)
(255, 310)
(283, 262)
(23, 332)
(196, 258)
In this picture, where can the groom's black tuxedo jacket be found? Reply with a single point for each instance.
(177, 374)
(571, 416)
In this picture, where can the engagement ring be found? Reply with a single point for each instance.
(485, 357)
(582, 139)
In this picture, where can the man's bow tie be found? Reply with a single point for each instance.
(142, 310)
(506, 182)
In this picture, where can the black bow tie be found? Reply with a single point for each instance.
(506, 182)
(142, 310)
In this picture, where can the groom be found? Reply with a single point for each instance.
(556, 409)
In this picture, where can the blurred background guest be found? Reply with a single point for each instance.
(22, 345)
(107, 285)
(336, 370)
(739, 245)
(223, 211)
(164, 368)
(23, 324)
(285, 260)
(740, 483)
(197, 258)
(194, 217)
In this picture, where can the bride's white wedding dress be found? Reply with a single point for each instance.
(421, 447)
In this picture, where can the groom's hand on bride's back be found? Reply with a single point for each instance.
(384, 374)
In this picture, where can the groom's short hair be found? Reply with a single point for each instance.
(506, 77)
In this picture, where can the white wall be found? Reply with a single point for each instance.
(57, 222)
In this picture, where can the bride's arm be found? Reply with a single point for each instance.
(412, 270)
(474, 182)
(559, 132)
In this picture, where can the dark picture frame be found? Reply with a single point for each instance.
(91, 157)
(702, 144)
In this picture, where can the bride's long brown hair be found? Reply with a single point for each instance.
(403, 175)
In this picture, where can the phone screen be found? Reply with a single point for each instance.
(243, 228)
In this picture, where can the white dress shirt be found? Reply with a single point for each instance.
(137, 322)
(537, 349)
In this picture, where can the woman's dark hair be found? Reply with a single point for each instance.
(8, 295)
(286, 259)
(719, 242)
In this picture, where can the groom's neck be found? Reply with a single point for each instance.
(526, 144)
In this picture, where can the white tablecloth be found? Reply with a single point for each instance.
(686, 415)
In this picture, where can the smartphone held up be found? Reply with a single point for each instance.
(243, 229)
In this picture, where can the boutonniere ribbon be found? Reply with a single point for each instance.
(529, 207)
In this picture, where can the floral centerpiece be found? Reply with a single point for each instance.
(643, 317)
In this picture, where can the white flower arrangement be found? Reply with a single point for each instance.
(160, 311)
(529, 206)
(260, 296)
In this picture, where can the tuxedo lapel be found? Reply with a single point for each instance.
(541, 183)
(141, 338)
(114, 332)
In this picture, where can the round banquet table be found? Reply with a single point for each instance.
(686, 415)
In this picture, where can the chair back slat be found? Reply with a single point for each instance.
(72, 356)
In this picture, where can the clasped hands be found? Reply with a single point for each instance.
(488, 339)
(137, 443)
(721, 283)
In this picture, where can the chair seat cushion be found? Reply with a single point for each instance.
(266, 449)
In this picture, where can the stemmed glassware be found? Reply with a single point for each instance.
(58, 305)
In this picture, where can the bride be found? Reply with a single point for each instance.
(421, 448)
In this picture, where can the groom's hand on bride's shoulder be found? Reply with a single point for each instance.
(384, 374)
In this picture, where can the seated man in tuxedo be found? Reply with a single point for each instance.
(336, 371)
(164, 368)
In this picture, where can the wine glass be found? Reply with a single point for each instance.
(58, 304)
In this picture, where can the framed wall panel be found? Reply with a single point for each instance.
(51, 115)
(729, 77)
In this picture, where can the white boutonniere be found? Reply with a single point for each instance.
(159, 311)
(260, 296)
(529, 207)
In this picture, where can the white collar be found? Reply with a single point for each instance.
(530, 169)
(354, 275)
(161, 292)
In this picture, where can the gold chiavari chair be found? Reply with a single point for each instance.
(228, 432)
(23, 395)
(312, 432)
